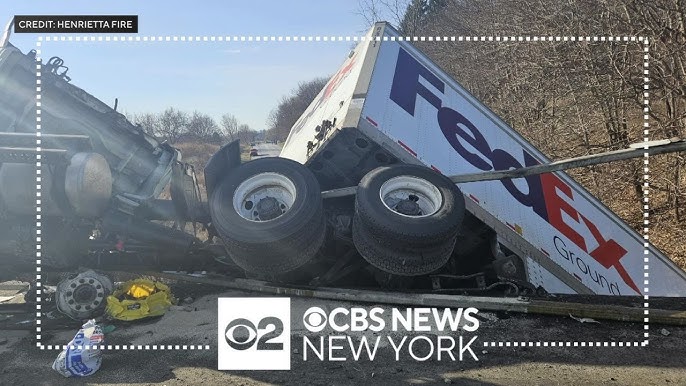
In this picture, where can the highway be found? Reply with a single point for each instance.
(266, 150)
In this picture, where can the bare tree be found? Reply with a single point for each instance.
(149, 122)
(291, 107)
(172, 124)
(229, 125)
(245, 134)
(201, 126)
(378, 10)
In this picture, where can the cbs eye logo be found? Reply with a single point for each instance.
(254, 333)
(315, 319)
(241, 334)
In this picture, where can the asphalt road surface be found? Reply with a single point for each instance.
(266, 150)
(660, 363)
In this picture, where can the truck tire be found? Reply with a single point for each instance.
(407, 213)
(440, 201)
(269, 215)
(405, 261)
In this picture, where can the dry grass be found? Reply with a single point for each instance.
(197, 154)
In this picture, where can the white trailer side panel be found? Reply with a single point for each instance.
(334, 102)
(539, 276)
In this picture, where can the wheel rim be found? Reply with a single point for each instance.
(264, 197)
(411, 196)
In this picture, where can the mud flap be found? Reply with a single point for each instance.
(227, 158)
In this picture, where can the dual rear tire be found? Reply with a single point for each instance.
(269, 215)
(407, 218)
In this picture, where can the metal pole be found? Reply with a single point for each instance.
(634, 151)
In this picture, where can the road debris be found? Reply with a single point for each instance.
(109, 328)
(82, 356)
(13, 291)
(193, 274)
(138, 299)
(664, 332)
(81, 296)
(584, 320)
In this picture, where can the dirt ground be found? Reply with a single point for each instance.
(663, 361)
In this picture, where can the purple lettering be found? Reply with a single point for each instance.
(450, 122)
(406, 86)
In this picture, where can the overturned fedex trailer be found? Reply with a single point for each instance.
(359, 194)
(389, 106)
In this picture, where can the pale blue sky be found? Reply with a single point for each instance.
(246, 79)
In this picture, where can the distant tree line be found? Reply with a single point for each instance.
(291, 107)
(175, 126)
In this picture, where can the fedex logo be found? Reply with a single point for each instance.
(548, 196)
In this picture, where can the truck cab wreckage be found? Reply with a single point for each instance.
(395, 177)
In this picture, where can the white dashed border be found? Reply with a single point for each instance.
(293, 38)
(564, 344)
(39, 168)
(646, 205)
(128, 347)
(265, 39)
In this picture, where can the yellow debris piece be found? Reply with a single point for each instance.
(139, 298)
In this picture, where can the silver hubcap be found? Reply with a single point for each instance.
(411, 196)
(264, 196)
